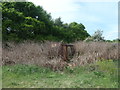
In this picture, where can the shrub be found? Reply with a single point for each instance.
(43, 54)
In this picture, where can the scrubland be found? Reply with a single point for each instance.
(46, 54)
(94, 64)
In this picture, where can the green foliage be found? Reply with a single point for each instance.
(105, 68)
(79, 32)
(113, 41)
(108, 66)
(58, 22)
(116, 40)
(97, 36)
(25, 21)
(99, 73)
(108, 40)
(26, 69)
(24, 76)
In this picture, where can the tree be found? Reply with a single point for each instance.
(24, 20)
(58, 22)
(79, 32)
(116, 40)
(97, 36)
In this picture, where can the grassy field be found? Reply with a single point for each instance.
(102, 74)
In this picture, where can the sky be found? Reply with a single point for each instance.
(94, 15)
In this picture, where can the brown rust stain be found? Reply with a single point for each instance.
(67, 51)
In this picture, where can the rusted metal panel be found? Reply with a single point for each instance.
(67, 51)
(64, 51)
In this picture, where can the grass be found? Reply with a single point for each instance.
(102, 74)
(48, 53)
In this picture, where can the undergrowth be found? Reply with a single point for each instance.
(102, 74)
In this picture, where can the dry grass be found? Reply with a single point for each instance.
(93, 51)
(46, 54)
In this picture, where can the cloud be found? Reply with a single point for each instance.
(94, 14)
(96, 0)
(111, 33)
(76, 9)
(56, 5)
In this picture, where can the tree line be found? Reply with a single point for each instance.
(26, 21)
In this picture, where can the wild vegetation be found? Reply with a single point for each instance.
(25, 21)
(31, 57)
(30, 76)
(43, 54)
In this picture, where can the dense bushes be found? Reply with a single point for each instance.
(25, 21)
(46, 54)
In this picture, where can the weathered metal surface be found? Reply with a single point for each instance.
(64, 51)
(67, 51)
